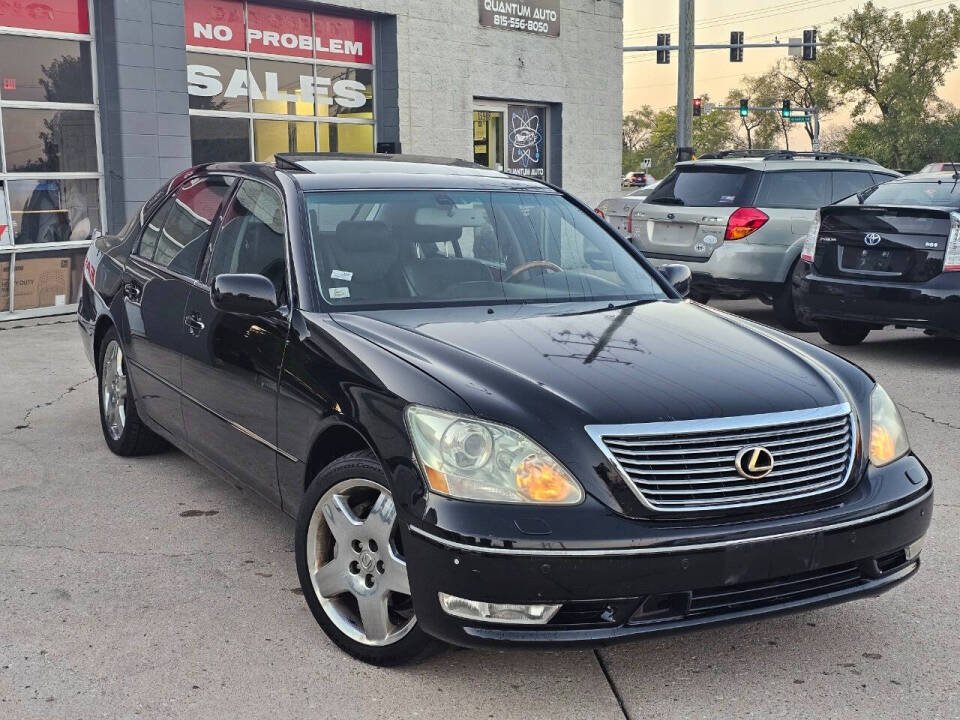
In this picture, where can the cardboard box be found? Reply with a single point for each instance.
(37, 282)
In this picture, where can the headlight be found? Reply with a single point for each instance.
(888, 436)
(477, 460)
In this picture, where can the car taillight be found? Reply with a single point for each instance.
(951, 257)
(599, 212)
(744, 221)
(630, 220)
(90, 271)
(810, 242)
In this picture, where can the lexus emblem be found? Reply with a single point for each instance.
(872, 239)
(754, 463)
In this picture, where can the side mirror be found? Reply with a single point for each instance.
(679, 276)
(244, 294)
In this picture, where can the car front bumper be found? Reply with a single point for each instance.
(934, 305)
(614, 594)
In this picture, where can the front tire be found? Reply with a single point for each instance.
(351, 566)
(124, 431)
(840, 332)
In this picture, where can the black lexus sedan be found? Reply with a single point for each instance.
(494, 421)
(889, 255)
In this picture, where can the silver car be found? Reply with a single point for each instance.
(618, 211)
(739, 218)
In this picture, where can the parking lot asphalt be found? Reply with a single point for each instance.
(150, 588)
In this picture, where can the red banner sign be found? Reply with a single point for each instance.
(277, 31)
(67, 16)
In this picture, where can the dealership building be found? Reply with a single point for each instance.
(101, 101)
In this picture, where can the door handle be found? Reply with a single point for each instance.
(132, 291)
(193, 323)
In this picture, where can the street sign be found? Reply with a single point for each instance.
(799, 118)
(645, 163)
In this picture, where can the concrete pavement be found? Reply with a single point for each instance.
(149, 587)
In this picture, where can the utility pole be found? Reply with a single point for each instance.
(685, 82)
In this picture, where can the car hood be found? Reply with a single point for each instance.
(558, 364)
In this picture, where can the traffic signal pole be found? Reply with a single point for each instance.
(685, 82)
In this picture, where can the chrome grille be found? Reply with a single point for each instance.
(690, 465)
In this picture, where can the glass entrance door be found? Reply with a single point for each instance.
(488, 142)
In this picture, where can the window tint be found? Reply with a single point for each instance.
(944, 192)
(794, 189)
(251, 237)
(846, 183)
(151, 233)
(705, 187)
(187, 226)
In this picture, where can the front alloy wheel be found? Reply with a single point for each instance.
(351, 565)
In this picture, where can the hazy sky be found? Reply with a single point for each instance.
(646, 83)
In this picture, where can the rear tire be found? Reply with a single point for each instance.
(841, 332)
(784, 307)
(347, 546)
(125, 433)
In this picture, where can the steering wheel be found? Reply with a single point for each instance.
(545, 264)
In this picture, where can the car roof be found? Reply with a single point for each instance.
(805, 163)
(938, 175)
(348, 171)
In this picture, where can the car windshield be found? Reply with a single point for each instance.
(426, 248)
(911, 192)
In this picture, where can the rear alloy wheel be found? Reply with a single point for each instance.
(783, 305)
(351, 564)
(841, 332)
(123, 430)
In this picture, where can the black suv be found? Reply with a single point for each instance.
(494, 421)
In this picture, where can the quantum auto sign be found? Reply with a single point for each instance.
(219, 24)
(538, 17)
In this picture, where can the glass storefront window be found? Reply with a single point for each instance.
(43, 70)
(218, 82)
(344, 92)
(53, 210)
(346, 137)
(49, 140)
(41, 279)
(286, 88)
(219, 139)
(279, 136)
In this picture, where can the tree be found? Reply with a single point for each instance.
(711, 132)
(891, 66)
(761, 128)
(804, 85)
(636, 128)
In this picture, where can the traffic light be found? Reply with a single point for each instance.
(810, 44)
(697, 107)
(736, 49)
(744, 107)
(785, 111)
(663, 56)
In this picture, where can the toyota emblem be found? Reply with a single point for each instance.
(872, 239)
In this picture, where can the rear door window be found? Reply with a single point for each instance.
(708, 186)
(848, 182)
(803, 190)
(186, 230)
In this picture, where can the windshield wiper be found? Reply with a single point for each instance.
(666, 201)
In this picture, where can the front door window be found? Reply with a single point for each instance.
(488, 138)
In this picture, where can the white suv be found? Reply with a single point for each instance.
(738, 218)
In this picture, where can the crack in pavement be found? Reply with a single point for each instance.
(25, 423)
(932, 419)
(613, 687)
(30, 326)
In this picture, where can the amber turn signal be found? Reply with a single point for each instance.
(543, 481)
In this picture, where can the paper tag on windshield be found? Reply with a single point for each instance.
(342, 275)
(339, 292)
